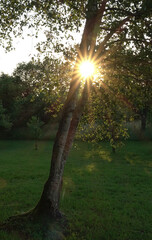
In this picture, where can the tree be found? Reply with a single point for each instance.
(4, 118)
(16, 96)
(48, 79)
(106, 22)
(141, 79)
(129, 72)
(104, 118)
(35, 125)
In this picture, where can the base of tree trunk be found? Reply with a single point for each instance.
(30, 226)
(113, 149)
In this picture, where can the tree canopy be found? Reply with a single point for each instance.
(123, 21)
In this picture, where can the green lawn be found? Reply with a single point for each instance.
(105, 196)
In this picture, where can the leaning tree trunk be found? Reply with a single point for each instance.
(74, 124)
(48, 206)
(49, 202)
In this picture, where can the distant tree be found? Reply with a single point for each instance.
(49, 80)
(4, 118)
(35, 125)
(9, 90)
(17, 95)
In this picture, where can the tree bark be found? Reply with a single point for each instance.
(143, 123)
(143, 120)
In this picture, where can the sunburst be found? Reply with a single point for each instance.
(87, 69)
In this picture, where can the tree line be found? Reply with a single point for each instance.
(122, 93)
(31, 91)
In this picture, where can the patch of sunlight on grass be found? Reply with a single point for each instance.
(150, 164)
(3, 183)
(105, 156)
(88, 154)
(99, 153)
(132, 158)
(68, 184)
(91, 167)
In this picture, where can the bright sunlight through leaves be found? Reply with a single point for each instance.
(86, 69)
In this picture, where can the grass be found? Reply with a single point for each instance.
(105, 196)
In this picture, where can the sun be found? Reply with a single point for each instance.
(86, 69)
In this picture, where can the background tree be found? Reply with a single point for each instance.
(49, 80)
(17, 97)
(35, 125)
(129, 71)
(34, 88)
(5, 122)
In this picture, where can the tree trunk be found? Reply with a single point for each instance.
(36, 145)
(143, 123)
(143, 120)
(113, 149)
(48, 204)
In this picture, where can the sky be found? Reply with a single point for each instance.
(24, 50)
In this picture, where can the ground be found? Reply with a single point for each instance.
(105, 196)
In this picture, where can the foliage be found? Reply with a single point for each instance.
(130, 74)
(18, 94)
(57, 16)
(49, 80)
(38, 87)
(104, 118)
(66, 16)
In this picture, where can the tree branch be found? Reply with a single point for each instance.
(131, 39)
(128, 13)
(92, 27)
(118, 29)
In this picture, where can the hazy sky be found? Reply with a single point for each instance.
(24, 50)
